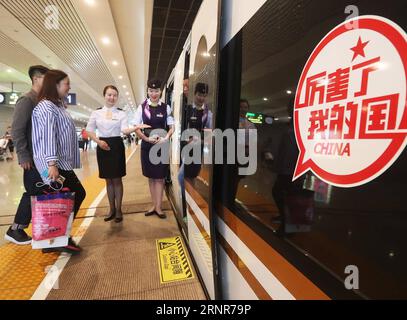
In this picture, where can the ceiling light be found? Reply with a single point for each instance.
(265, 99)
(124, 87)
(127, 93)
(90, 2)
(120, 77)
(289, 92)
(105, 40)
(9, 70)
(115, 63)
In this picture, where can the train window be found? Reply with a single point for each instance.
(361, 226)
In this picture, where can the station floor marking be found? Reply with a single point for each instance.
(173, 262)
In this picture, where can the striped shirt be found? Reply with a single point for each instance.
(54, 138)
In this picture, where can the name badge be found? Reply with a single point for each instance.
(194, 118)
(160, 115)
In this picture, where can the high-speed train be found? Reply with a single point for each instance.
(323, 84)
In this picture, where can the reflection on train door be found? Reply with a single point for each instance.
(197, 67)
(198, 178)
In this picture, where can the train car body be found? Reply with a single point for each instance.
(323, 215)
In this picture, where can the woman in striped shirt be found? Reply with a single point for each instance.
(55, 144)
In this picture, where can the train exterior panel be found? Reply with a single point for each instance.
(331, 227)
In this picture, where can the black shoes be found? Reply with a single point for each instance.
(111, 216)
(150, 213)
(18, 237)
(160, 215)
(72, 248)
(119, 218)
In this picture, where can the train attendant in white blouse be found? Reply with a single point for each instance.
(110, 122)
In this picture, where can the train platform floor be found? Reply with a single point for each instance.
(118, 261)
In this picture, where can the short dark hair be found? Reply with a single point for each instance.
(245, 101)
(49, 86)
(110, 87)
(202, 88)
(34, 71)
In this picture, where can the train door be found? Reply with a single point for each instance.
(180, 96)
(198, 177)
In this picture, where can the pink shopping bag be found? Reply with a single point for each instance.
(51, 216)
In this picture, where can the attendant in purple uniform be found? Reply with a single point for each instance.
(157, 115)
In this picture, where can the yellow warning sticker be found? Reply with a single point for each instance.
(173, 261)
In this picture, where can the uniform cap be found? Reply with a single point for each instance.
(154, 84)
(201, 88)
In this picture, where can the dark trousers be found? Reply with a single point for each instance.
(31, 178)
(72, 183)
(23, 215)
(85, 144)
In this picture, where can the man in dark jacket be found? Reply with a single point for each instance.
(21, 134)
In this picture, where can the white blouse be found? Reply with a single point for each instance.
(110, 122)
(138, 119)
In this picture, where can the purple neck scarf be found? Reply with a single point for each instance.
(146, 107)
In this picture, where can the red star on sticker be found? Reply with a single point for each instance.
(359, 49)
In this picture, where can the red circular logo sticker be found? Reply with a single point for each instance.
(350, 112)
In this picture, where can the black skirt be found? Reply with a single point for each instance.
(112, 164)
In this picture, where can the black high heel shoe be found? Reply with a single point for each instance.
(111, 216)
(150, 213)
(119, 219)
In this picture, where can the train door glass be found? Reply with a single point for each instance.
(197, 174)
(177, 184)
(335, 226)
(169, 94)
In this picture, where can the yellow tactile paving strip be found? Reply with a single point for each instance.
(23, 269)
